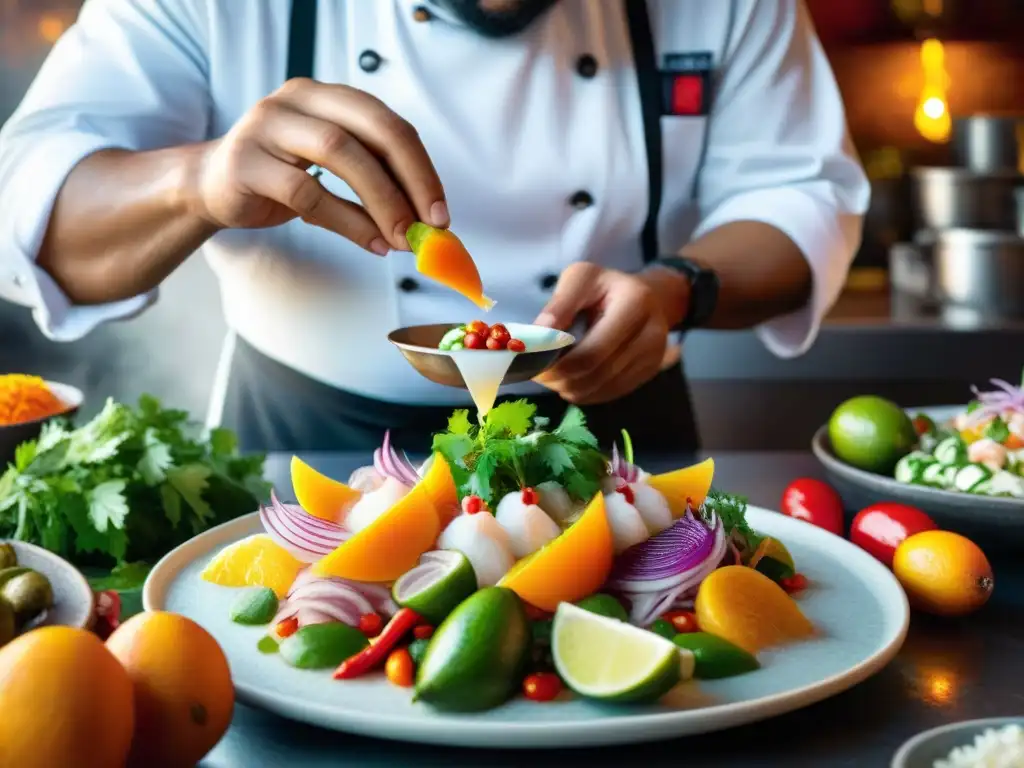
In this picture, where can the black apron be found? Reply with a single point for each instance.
(274, 408)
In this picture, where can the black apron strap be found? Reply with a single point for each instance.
(649, 82)
(302, 39)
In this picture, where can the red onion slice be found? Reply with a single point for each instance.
(388, 463)
(659, 562)
(308, 538)
(315, 600)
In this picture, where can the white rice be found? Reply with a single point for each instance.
(994, 748)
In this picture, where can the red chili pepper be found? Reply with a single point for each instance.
(422, 632)
(287, 627)
(682, 621)
(370, 624)
(795, 583)
(379, 647)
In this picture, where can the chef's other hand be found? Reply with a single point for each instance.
(629, 319)
(256, 175)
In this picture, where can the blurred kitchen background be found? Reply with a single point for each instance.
(934, 92)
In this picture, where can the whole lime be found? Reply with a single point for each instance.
(871, 433)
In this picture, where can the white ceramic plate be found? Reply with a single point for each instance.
(73, 600)
(856, 602)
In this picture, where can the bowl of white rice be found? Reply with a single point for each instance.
(996, 742)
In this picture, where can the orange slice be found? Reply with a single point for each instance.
(745, 607)
(440, 487)
(255, 561)
(390, 545)
(568, 568)
(441, 256)
(688, 484)
(320, 495)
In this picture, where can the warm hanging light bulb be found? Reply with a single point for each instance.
(931, 118)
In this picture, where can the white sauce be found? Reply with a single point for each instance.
(527, 525)
(483, 371)
(484, 543)
(375, 503)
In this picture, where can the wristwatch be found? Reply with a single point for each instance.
(703, 290)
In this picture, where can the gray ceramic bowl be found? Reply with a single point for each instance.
(987, 519)
(73, 600)
(13, 435)
(924, 749)
(418, 344)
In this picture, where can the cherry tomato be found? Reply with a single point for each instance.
(795, 583)
(422, 631)
(516, 345)
(399, 668)
(814, 502)
(496, 343)
(478, 326)
(499, 332)
(473, 341)
(682, 621)
(543, 686)
(287, 627)
(923, 425)
(529, 496)
(882, 527)
(370, 624)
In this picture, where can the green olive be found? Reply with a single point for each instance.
(8, 557)
(8, 625)
(6, 574)
(28, 594)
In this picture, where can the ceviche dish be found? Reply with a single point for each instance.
(519, 559)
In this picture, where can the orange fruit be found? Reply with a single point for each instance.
(569, 567)
(440, 487)
(255, 561)
(184, 697)
(690, 484)
(65, 701)
(441, 256)
(943, 573)
(390, 545)
(320, 495)
(745, 607)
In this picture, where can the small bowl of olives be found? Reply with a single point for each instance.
(38, 588)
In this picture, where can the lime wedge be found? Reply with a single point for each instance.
(442, 579)
(606, 659)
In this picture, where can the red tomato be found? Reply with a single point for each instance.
(814, 502)
(882, 527)
(543, 686)
(516, 345)
(496, 343)
(370, 624)
(478, 326)
(473, 341)
(500, 333)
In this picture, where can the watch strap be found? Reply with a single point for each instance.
(704, 286)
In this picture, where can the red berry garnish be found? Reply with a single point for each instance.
(516, 345)
(529, 496)
(370, 624)
(495, 344)
(623, 488)
(472, 504)
(473, 341)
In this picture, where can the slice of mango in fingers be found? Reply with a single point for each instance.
(441, 256)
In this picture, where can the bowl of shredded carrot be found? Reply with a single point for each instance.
(28, 402)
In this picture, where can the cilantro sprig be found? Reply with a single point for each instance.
(126, 487)
(732, 510)
(513, 450)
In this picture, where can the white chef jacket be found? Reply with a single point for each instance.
(513, 128)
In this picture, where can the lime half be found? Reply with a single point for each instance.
(442, 579)
(606, 659)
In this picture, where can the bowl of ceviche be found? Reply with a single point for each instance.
(26, 404)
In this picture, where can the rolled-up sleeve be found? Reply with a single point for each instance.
(778, 152)
(129, 74)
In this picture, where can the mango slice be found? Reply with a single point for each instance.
(442, 257)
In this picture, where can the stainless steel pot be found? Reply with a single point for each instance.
(958, 198)
(988, 143)
(981, 269)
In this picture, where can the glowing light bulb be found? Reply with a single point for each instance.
(931, 118)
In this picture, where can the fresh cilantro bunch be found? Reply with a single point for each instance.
(511, 450)
(127, 486)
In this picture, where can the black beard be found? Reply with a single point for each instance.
(496, 23)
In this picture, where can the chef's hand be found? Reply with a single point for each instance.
(256, 175)
(629, 319)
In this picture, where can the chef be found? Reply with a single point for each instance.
(635, 169)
